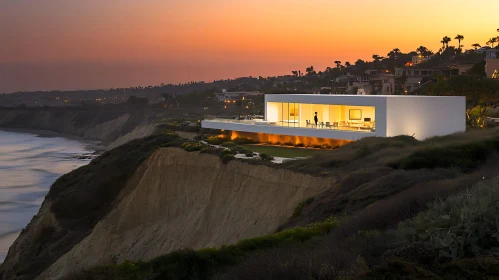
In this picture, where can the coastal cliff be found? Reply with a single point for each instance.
(172, 200)
(111, 128)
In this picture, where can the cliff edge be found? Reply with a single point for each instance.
(111, 128)
(173, 200)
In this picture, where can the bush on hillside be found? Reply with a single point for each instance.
(266, 157)
(463, 225)
(191, 146)
(228, 144)
(243, 141)
(215, 140)
(226, 156)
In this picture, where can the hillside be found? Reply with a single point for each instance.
(110, 127)
(149, 198)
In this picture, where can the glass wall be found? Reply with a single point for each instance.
(321, 116)
(283, 114)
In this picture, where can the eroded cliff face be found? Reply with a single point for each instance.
(186, 200)
(179, 200)
(112, 128)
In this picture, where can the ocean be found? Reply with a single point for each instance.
(29, 164)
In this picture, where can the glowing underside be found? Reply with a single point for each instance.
(285, 139)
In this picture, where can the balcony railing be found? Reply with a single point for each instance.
(344, 126)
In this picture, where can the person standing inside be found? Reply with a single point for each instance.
(316, 119)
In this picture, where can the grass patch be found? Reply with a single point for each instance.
(282, 151)
(204, 263)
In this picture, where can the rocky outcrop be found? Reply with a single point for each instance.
(179, 200)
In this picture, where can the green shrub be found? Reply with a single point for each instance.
(266, 157)
(463, 225)
(207, 150)
(300, 207)
(192, 146)
(243, 141)
(215, 140)
(226, 157)
(228, 144)
(467, 157)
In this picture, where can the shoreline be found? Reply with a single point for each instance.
(92, 145)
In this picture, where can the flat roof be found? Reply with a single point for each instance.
(366, 96)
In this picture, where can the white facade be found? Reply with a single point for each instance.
(352, 117)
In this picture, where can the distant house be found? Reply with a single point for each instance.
(417, 59)
(414, 75)
(492, 64)
(235, 95)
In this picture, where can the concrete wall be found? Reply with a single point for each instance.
(425, 116)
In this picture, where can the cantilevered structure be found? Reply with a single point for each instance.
(352, 117)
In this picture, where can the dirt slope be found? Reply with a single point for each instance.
(186, 200)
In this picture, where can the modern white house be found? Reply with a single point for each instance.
(352, 117)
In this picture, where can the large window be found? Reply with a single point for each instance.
(284, 114)
(328, 116)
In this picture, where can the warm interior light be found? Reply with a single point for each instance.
(282, 139)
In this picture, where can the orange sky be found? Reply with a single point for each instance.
(70, 44)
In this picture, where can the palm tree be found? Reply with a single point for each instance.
(492, 41)
(476, 46)
(338, 63)
(459, 38)
(446, 41)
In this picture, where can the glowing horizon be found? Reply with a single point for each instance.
(97, 44)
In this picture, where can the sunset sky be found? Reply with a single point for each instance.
(75, 44)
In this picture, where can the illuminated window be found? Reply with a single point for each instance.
(293, 111)
(495, 75)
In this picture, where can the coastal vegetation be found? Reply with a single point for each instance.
(380, 183)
